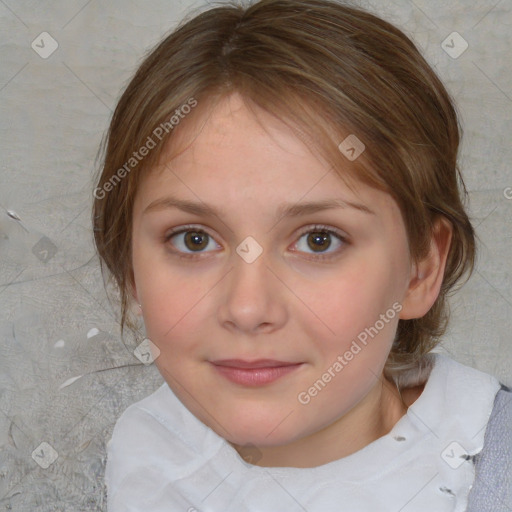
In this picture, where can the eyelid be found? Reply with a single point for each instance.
(185, 228)
(323, 227)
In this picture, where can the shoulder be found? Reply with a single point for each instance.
(156, 441)
(492, 489)
(138, 417)
(499, 427)
(138, 439)
(144, 428)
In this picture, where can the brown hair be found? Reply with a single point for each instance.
(327, 70)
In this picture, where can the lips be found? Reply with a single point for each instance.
(254, 373)
(259, 363)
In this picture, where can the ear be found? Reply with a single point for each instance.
(427, 276)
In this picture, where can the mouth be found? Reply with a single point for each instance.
(254, 373)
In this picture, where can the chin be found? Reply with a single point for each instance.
(268, 431)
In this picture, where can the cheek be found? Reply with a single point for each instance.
(344, 303)
(174, 302)
(172, 308)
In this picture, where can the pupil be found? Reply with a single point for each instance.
(197, 239)
(319, 240)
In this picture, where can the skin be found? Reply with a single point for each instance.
(289, 304)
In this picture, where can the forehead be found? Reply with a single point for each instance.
(233, 152)
(235, 126)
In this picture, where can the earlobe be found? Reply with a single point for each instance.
(427, 275)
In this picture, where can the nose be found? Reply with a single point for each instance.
(254, 298)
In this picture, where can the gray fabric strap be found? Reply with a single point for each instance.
(492, 488)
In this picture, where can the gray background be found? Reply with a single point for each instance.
(55, 321)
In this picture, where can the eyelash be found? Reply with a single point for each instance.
(312, 229)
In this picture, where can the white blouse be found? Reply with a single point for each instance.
(161, 458)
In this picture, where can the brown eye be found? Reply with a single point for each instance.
(189, 241)
(196, 240)
(319, 241)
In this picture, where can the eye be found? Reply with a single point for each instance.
(190, 240)
(319, 239)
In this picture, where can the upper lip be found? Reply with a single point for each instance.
(258, 363)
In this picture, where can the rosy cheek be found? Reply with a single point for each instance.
(172, 318)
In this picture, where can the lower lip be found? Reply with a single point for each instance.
(255, 376)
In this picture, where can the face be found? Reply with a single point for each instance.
(252, 305)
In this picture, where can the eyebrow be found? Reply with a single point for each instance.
(284, 210)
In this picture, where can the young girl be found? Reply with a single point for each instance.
(280, 201)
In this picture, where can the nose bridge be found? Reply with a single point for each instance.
(251, 297)
(250, 279)
(250, 263)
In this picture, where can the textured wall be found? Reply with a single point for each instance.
(55, 321)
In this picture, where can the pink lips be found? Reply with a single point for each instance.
(254, 373)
